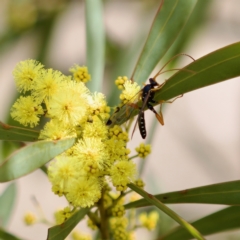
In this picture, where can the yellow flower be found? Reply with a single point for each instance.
(130, 92)
(60, 172)
(149, 221)
(116, 132)
(98, 105)
(84, 192)
(69, 105)
(55, 130)
(119, 228)
(92, 154)
(122, 173)
(47, 84)
(116, 149)
(143, 150)
(120, 81)
(26, 111)
(139, 182)
(80, 74)
(25, 74)
(91, 224)
(118, 210)
(63, 215)
(95, 129)
(29, 218)
(80, 236)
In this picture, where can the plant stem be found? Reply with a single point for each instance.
(103, 219)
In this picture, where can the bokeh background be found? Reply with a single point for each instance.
(200, 142)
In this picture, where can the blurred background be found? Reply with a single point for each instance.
(199, 144)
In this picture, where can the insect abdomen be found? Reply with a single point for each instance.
(141, 125)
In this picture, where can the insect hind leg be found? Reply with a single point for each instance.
(158, 116)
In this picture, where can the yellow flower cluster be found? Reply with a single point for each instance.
(62, 215)
(130, 92)
(139, 183)
(80, 236)
(120, 82)
(118, 210)
(143, 150)
(119, 228)
(29, 218)
(99, 154)
(91, 224)
(150, 220)
(80, 74)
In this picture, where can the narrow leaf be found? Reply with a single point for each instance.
(7, 200)
(95, 43)
(60, 232)
(4, 235)
(151, 199)
(222, 193)
(226, 219)
(213, 68)
(32, 157)
(12, 133)
(171, 17)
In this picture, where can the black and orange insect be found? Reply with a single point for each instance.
(147, 94)
(147, 97)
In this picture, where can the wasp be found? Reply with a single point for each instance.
(147, 97)
(147, 94)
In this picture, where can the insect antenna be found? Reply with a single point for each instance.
(171, 59)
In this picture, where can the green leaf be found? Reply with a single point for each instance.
(170, 19)
(213, 68)
(226, 219)
(60, 232)
(4, 235)
(222, 193)
(12, 133)
(196, 22)
(8, 147)
(95, 43)
(7, 200)
(32, 157)
(151, 199)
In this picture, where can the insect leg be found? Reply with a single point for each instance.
(158, 116)
(171, 101)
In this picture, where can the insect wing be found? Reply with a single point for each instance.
(123, 112)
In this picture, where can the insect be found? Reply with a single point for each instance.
(147, 94)
(147, 97)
